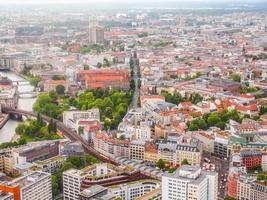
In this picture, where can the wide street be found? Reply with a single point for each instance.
(222, 167)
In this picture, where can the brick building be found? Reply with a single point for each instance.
(251, 159)
(104, 78)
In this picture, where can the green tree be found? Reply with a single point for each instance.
(263, 110)
(20, 129)
(58, 77)
(55, 185)
(185, 162)
(193, 127)
(221, 125)
(236, 78)
(86, 67)
(261, 176)
(91, 159)
(76, 161)
(229, 198)
(161, 164)
(60, 89)
(213, 119)
(80, 130)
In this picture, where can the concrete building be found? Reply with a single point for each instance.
(133, 190)
(50, 165)
(6, 62)
(248, 188)
(189, 182)
(137, 149)
(72, 118)
(97, 192)
(36, 151)
(73, 149)
(177, 149)
(76, 181)
(36, 185)
(96, 35)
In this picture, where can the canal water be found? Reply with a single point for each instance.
(8, 131)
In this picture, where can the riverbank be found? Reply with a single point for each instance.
(3, 119)
(7, 132)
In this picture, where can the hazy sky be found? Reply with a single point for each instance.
(110, 1)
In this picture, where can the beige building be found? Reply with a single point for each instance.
(250, 189)
(137, 149)
(192, 155)
(50, 85)
(177, 149)
(151, 153)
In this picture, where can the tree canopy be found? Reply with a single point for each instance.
(218, 119)
(112, 104)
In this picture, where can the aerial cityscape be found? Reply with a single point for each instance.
(133, 100)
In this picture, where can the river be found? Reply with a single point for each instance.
(8, 131)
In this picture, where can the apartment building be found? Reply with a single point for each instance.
(177, 149)
(251, 159)
(137, 149)
(109, 146)
(142, 132)
(190, 182)
(36, 185)
(248, 188)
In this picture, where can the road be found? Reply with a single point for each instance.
(222, 167)
(134, 103)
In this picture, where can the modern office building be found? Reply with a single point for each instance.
(190, 182)
(96, 35)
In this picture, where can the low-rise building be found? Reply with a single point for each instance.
(50, 165)
(71, 118)
(104, 78)
(50, 85)
(134, 190)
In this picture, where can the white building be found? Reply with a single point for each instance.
(72, 184)
(142, 132)
(71, 118)
(133, 190)
(36, 185)
(190, 182)
(73, 178)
